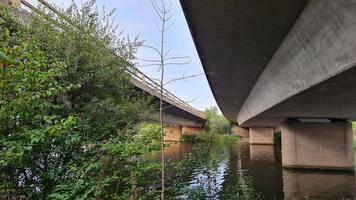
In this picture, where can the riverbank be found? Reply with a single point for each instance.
(209, 137)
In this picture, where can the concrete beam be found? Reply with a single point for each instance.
(192, 130)
(235, 40)
(175, 118)
(173, 133)
(260, 135)
(321, 45)
(317, 145)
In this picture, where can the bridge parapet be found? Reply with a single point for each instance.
(144, 82)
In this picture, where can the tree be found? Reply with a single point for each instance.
(30, 129)
(163, 11)
(69, 115)
(216, 123)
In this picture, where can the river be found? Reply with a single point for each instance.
(221, 170)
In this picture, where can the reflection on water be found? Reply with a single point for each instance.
(266, 171)
(318, 185)
(243, 171)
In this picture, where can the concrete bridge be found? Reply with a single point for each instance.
(179, 117)
(287, 64)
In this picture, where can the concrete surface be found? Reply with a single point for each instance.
(260, 135)
(242, 132)
(173, 133)
(174, 114)
(235, 40)
(268, 61)
(192, 130)
(321, 45)
(317, 145)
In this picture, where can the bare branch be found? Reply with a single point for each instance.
(147, 60)
(168, 51)
(169, 26)
(190, 101)
(168, 17)
(177, 63)
(155, 79)
(149, 65)
(157, 10)
(176, 58)
(154, 48)
(165, 64)
(158, 27)
(187, 102)
(183, 78)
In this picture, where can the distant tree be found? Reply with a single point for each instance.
(215, 122)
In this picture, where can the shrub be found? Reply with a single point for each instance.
(150, 132)
(68, 113)
(192, 138)
(206, 137)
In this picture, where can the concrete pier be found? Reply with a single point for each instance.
(242, 132)
(317, 145)
(260, 135)
(192, 130)
(173, 133)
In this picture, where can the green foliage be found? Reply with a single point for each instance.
(69, 115)
(209, 137)
(217, 137)
(150, 132)
(192, 138)
(29, 126)
(216, 123)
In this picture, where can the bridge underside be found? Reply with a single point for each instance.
(274, 60)
(235, 40)
(288, 63)
(176, 116)
(173, 113)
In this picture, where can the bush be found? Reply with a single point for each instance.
(68, 113)
(206, 137)
(192, 138)
(150, 132)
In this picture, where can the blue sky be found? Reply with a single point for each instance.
(138, 18)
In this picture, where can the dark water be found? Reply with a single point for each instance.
(217, 170)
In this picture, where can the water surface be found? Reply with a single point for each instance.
(221, 170)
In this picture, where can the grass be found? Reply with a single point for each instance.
(212, 137)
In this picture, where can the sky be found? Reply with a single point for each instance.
(137, 18)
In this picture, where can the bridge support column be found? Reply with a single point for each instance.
(242, 132)
(192, 130)
(173, 133)
(317, 145)
(260, 135)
